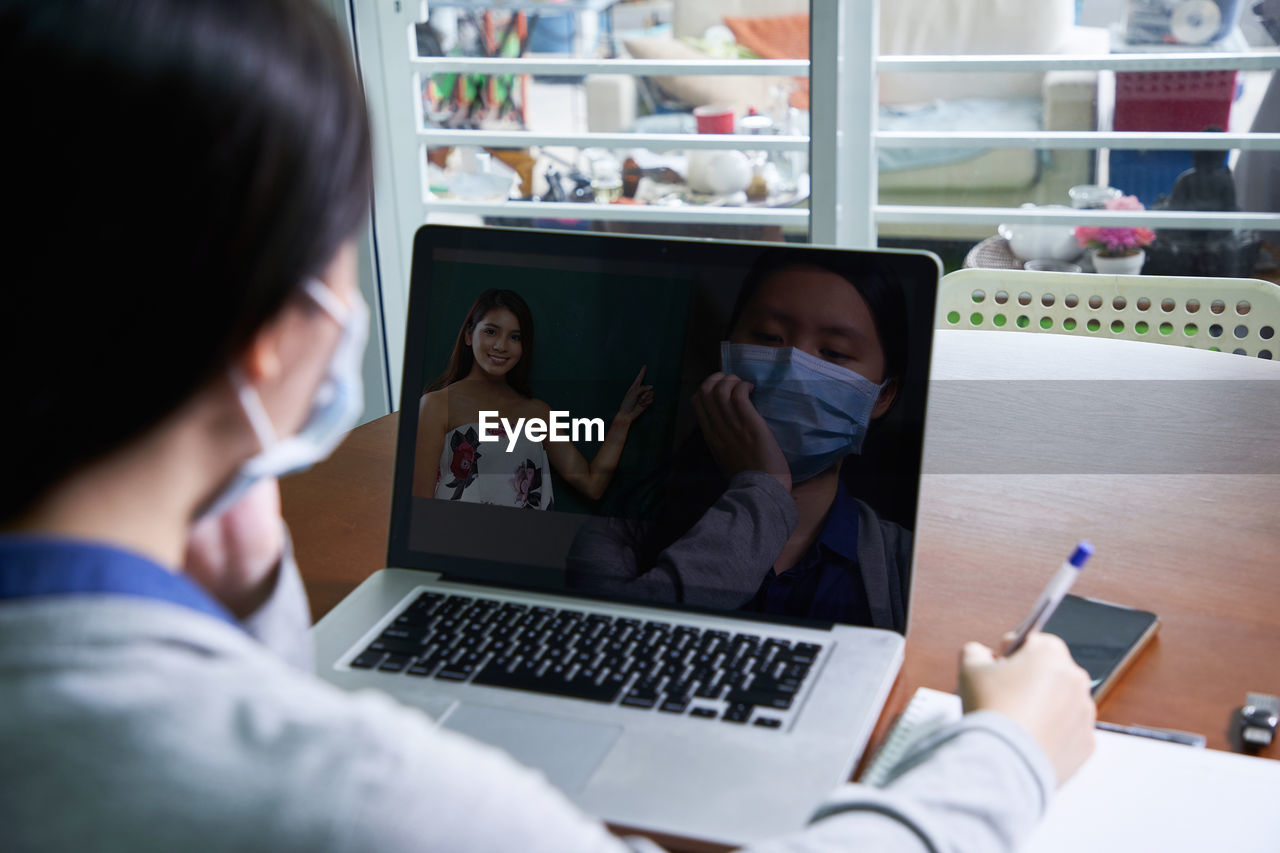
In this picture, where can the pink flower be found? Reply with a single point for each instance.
(1088, 235)
(1125, 202)
(1118, 240)
(521, 482)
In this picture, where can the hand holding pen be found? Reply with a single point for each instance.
(1042, 688)
(1056, 590)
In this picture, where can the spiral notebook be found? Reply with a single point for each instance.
(1134, 793)
(927, 711)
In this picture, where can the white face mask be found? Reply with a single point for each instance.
(334, 411)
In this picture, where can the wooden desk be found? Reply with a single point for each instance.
(1189, 528)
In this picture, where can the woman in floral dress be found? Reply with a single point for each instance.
(489, 371)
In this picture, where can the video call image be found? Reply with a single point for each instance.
(579, 427)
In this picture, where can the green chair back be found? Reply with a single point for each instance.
(1239, 315)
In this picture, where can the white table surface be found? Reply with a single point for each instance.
(1030, 403)
(973, 354)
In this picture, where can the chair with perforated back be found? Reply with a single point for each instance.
(1239, 315)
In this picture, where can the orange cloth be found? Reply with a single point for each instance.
(777, 37)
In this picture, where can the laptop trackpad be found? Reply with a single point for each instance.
(567, 751)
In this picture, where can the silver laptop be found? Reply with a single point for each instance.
(591, 636)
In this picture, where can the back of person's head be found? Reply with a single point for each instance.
(178, 169)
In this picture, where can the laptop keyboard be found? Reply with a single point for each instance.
(676, 669)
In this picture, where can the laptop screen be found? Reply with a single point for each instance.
(563, 426)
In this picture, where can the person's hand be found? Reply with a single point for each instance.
(235, 555)
(738, 436)
(1042, 689)
(636, 400)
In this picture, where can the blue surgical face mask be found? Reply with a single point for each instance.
(818, 411)
(334, 411)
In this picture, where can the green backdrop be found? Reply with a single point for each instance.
(593, 332)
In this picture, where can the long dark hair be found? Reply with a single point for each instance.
(229, 159)
(680, 492)
(461, 358)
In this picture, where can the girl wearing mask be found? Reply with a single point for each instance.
(489, 371)
(146, 703)
(754, 513)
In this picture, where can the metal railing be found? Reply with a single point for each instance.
(841, 34)
(843, 206)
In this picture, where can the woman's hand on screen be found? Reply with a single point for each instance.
(638, 398)
(738, 436)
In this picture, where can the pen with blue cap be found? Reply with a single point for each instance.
(1057, 588)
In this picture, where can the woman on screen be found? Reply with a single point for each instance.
(753, 511)
(488, 371)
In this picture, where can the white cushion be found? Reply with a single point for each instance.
(928, 27)
(966, 27)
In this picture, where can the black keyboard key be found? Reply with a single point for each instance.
(737, 714)
(677, 689)
(703, 712)
(395, 663)
(674, 706)
(368, 659)
(411, 634)
(398, 647)
(768, 722)
(577, 688)
(795, 672)
(454, 605)
(462, 668)
(641, 700)
(805, 653)
(643, 694)
(744, 664)
(412, 619)
(450, 672)
(712, 690)
(425, 603)
(713, 643)
(422, 669)
(763, 698)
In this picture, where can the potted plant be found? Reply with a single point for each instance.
(1117, 251)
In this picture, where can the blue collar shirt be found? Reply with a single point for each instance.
(826, 582)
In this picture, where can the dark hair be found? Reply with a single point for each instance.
(875, 281)
(461, 358)
(179, 168)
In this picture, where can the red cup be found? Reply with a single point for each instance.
(713, 119)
